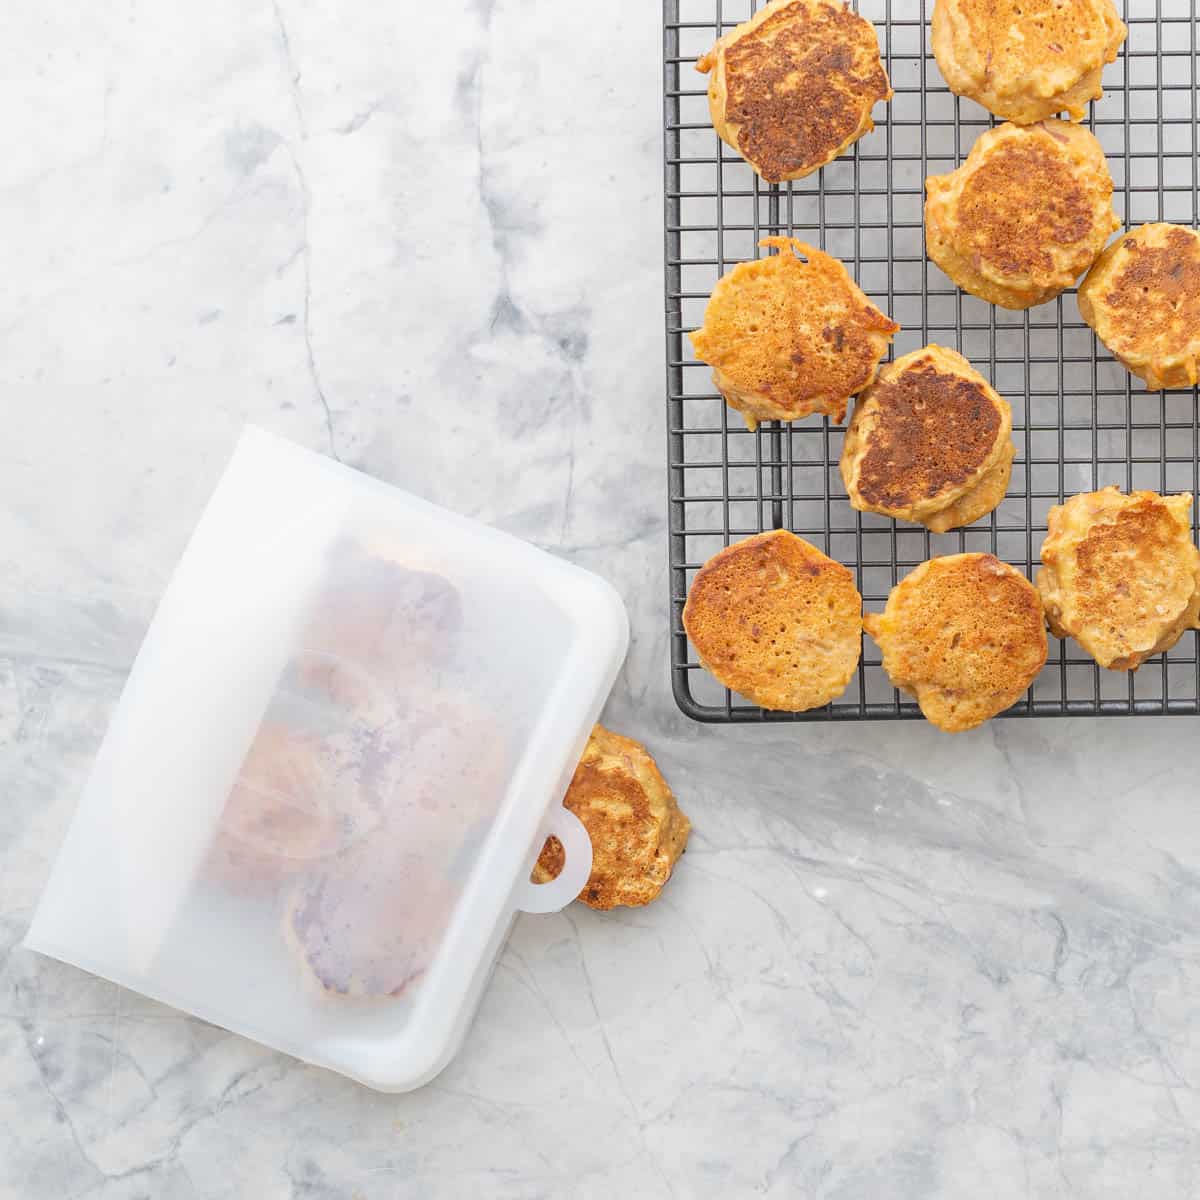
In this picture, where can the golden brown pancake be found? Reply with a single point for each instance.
(637, 829)
(1143, 300)
(794, 86)
(776, 621)
(1024, 216)
(1026, 60)
(930, 441)
(965, 635)
(791, 335)
(1121, 574)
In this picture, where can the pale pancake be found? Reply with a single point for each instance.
(370, 924)
(1121, 574)
(1026, 60)
(791, 335)
(965, 635)
(1143, 300)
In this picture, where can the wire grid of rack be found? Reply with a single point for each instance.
(1080, 421)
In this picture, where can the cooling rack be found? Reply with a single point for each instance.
(1080, 421)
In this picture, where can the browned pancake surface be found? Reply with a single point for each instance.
(1143, 299)
(936, 431)
(1020, 199)
(1025, 215)
(797, 86)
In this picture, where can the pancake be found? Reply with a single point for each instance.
(337, 762)
(791, 335)
(1121, 574)
(281, 814)
(1143, 300)
(965, 635)
(1024, 216)
(776, 621)
(794, 86)
(637, 829)
(382, 615)
(1026, 60)
(367, 921)
(930, 442)
(370, 925)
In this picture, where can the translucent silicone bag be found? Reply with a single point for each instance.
(342, 744)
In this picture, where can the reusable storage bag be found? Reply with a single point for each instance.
(344, 740)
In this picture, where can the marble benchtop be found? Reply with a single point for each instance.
(428, 240)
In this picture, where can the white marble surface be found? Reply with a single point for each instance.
(427, 238)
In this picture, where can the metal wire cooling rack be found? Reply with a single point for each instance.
(1080, 422)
